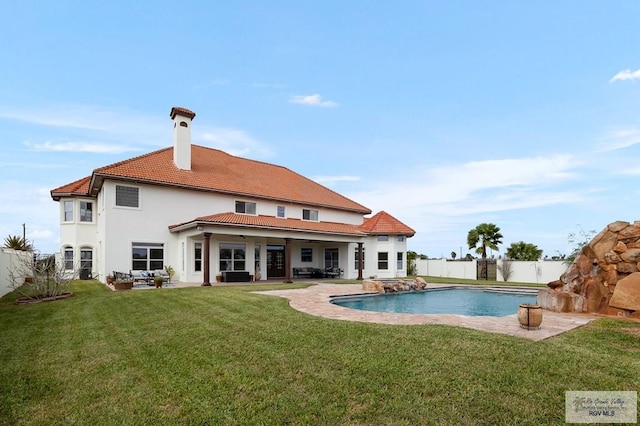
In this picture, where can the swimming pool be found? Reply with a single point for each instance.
(497, 302)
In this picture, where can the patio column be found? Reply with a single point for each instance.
(287, 260)
(206, 251)
(360, 261)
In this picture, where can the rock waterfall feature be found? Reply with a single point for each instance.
(394, 285)
(604, 278)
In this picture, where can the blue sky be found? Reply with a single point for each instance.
(444, 114)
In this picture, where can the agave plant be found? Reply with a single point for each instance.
(17, 243)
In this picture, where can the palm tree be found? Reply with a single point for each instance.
(523, 251)
(483, 236)
(16, 243)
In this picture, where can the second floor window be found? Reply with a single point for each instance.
(86, 211)
(127, 196)
(310, 215)
(68, 211)
(245, 207)
(280, 212)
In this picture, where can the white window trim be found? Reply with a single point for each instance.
(93, 212)
(64, 211)
(378, 261)
(235, 207)
(66, 249)
(317, 219)
(115, 191)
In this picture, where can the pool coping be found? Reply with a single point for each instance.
(316, 300)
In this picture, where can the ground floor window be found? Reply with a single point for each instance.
(331, 258)
(400, 265)
(86, 258)
(147, 256)
(383, 260)
(233, 257)
(68, 258)
(306, 255)
(197, 257)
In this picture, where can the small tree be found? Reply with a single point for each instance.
(411, 263)
(453, 255)
(523, 251)
(483, 236)
(37, 276)
(505, 269)
(579, 239)
(17, 243)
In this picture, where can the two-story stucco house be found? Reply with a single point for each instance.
(204, 212)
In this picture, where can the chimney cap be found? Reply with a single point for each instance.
(182, 111)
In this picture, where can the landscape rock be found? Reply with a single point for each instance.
(604, 278)
(627, 293)
(394, 285)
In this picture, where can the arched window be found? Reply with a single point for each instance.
(67, 252)
(86, 258)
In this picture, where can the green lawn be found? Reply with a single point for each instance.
(223, 355)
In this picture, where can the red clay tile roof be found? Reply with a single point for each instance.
(383, 223)
(217, 171)
(241, 220)
(181, 111)
(79, 187)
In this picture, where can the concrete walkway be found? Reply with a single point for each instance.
(315, 300)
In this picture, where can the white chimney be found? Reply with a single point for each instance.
(182, 137)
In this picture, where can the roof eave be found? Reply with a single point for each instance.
(194, 224)
(98, 179)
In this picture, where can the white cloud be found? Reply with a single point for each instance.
(115, 126)
(443, 203)
(312, 100)
(234, 142)
(90, 147)
(475, 187)
(618, 140)
(115, 131)
(626, 75)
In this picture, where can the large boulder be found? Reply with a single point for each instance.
(627, 293)
(604, 278)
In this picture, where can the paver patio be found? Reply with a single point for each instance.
(316, 300)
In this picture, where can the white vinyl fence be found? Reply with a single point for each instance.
(8, 259)
(541, 272)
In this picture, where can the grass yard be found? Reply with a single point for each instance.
(223, 355)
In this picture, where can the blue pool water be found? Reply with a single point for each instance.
(462, 301)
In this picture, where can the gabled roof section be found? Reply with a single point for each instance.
(262, 222)
(383, 223)
(216, 171)
(79, 187)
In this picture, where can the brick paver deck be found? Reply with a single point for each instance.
(315, 300)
